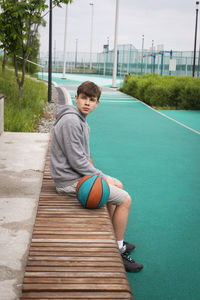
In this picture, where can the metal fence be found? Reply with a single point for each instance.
(129, 60)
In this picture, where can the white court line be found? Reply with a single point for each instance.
(118, 101)
(171, 118)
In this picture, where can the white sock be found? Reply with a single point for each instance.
(120, 244)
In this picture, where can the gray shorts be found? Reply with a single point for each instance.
(117, 196)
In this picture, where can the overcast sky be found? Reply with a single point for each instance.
(168, 22)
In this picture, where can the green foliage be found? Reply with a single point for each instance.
(33, 57)
(171, 92)
(22, 116)
(130, 85)
(59, 2)
(190, 98)
(19, 22)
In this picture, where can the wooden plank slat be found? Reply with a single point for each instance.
(71, 258)
(74, 280)
(74, 287)
(75, 275)
(76, 295)
(74, 269)
(74, 246)
(73, 253)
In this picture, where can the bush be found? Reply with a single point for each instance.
(159, 95)
(130, 85)
(146, 88)
(22, 116)
(190, 97)
(170, 92)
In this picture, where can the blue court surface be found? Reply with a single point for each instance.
(190, 118)
(158, 161)
(76, 79)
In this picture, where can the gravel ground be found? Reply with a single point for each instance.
(48, 119)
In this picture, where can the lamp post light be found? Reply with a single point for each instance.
(142, 53)
(108, 43)
(65, 41)
(152, 45)
(115, 46)
(195, 39)
(50, 52)
(91, 34)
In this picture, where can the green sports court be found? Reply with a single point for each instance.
(157, 157)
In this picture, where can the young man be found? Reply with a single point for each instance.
(70, 160)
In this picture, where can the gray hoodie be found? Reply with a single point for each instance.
(69, 152)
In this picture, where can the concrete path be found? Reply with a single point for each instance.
(22, 158)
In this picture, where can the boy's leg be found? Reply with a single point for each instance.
(111, 210)
(117, 183)
(118, 204)
(122, 200)
(120, 218)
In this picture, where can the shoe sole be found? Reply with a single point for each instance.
(134, 271)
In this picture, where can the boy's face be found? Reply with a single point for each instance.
(86, 104)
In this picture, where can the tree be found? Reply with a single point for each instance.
(33, 57)
(19, 23)
(4, 60)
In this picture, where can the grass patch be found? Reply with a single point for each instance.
(171, 92)
(22, 116)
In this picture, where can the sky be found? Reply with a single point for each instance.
(170, 23)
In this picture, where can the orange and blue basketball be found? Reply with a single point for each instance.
(92, 191)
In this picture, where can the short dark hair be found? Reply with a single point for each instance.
(90, 89)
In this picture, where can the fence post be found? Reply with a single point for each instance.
(1, 114)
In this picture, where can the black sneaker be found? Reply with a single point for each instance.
(129, 247)
(129, 264)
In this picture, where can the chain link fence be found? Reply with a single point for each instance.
(129, 61)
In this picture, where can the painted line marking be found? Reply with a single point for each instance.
(118, 98)
(171, 118)
(115, 101)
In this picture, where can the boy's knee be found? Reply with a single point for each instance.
(127, 202)
(119, 185)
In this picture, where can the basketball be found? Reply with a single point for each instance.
(92, 191)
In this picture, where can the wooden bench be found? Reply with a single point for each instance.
(73, 252)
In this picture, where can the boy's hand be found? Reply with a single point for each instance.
(114, 181)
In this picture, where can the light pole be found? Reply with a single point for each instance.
(76, 53)
(91, 34)
(142, 53)
(115, 47)
(108, 43)
(195, 39)
(54, 55)
(152, 56)
(65, 41)
(198, 63)
(50, 52)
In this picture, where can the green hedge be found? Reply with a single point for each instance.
(169, 92)
(22, 116)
